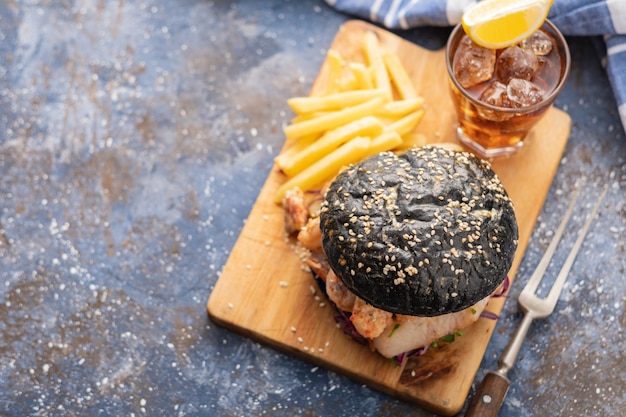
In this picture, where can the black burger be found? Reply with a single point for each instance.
(414, 244)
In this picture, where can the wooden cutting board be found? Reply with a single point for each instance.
(265, 293)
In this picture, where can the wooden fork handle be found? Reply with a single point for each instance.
(489, 397)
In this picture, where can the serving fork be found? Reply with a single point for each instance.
(491, 392)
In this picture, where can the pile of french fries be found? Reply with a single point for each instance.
(363, 110)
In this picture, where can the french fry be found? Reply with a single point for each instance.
(362, 76)
(327, 167)
(297, 146)
(348, 83)
(385, 142)
(368, 126)
(399, 76)
(405, 124)
(331, 102)
(335, 66)
(399, 108)
(332, 120)
(374, 57)
(307, 116)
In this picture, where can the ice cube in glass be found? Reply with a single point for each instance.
(473, 64)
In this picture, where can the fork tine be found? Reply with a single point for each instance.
(555, 291)
(540, 270)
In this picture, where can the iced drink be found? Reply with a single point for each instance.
(499, 95)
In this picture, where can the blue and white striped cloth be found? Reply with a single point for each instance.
(572, 17)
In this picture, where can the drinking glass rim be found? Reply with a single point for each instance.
(548, 99)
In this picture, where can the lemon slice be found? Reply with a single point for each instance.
(496, 24)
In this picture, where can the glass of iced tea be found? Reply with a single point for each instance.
(499, 95)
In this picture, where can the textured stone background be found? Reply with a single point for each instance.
(134, 138)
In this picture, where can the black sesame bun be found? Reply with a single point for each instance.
(424, 233)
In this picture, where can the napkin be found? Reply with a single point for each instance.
(573, 17)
